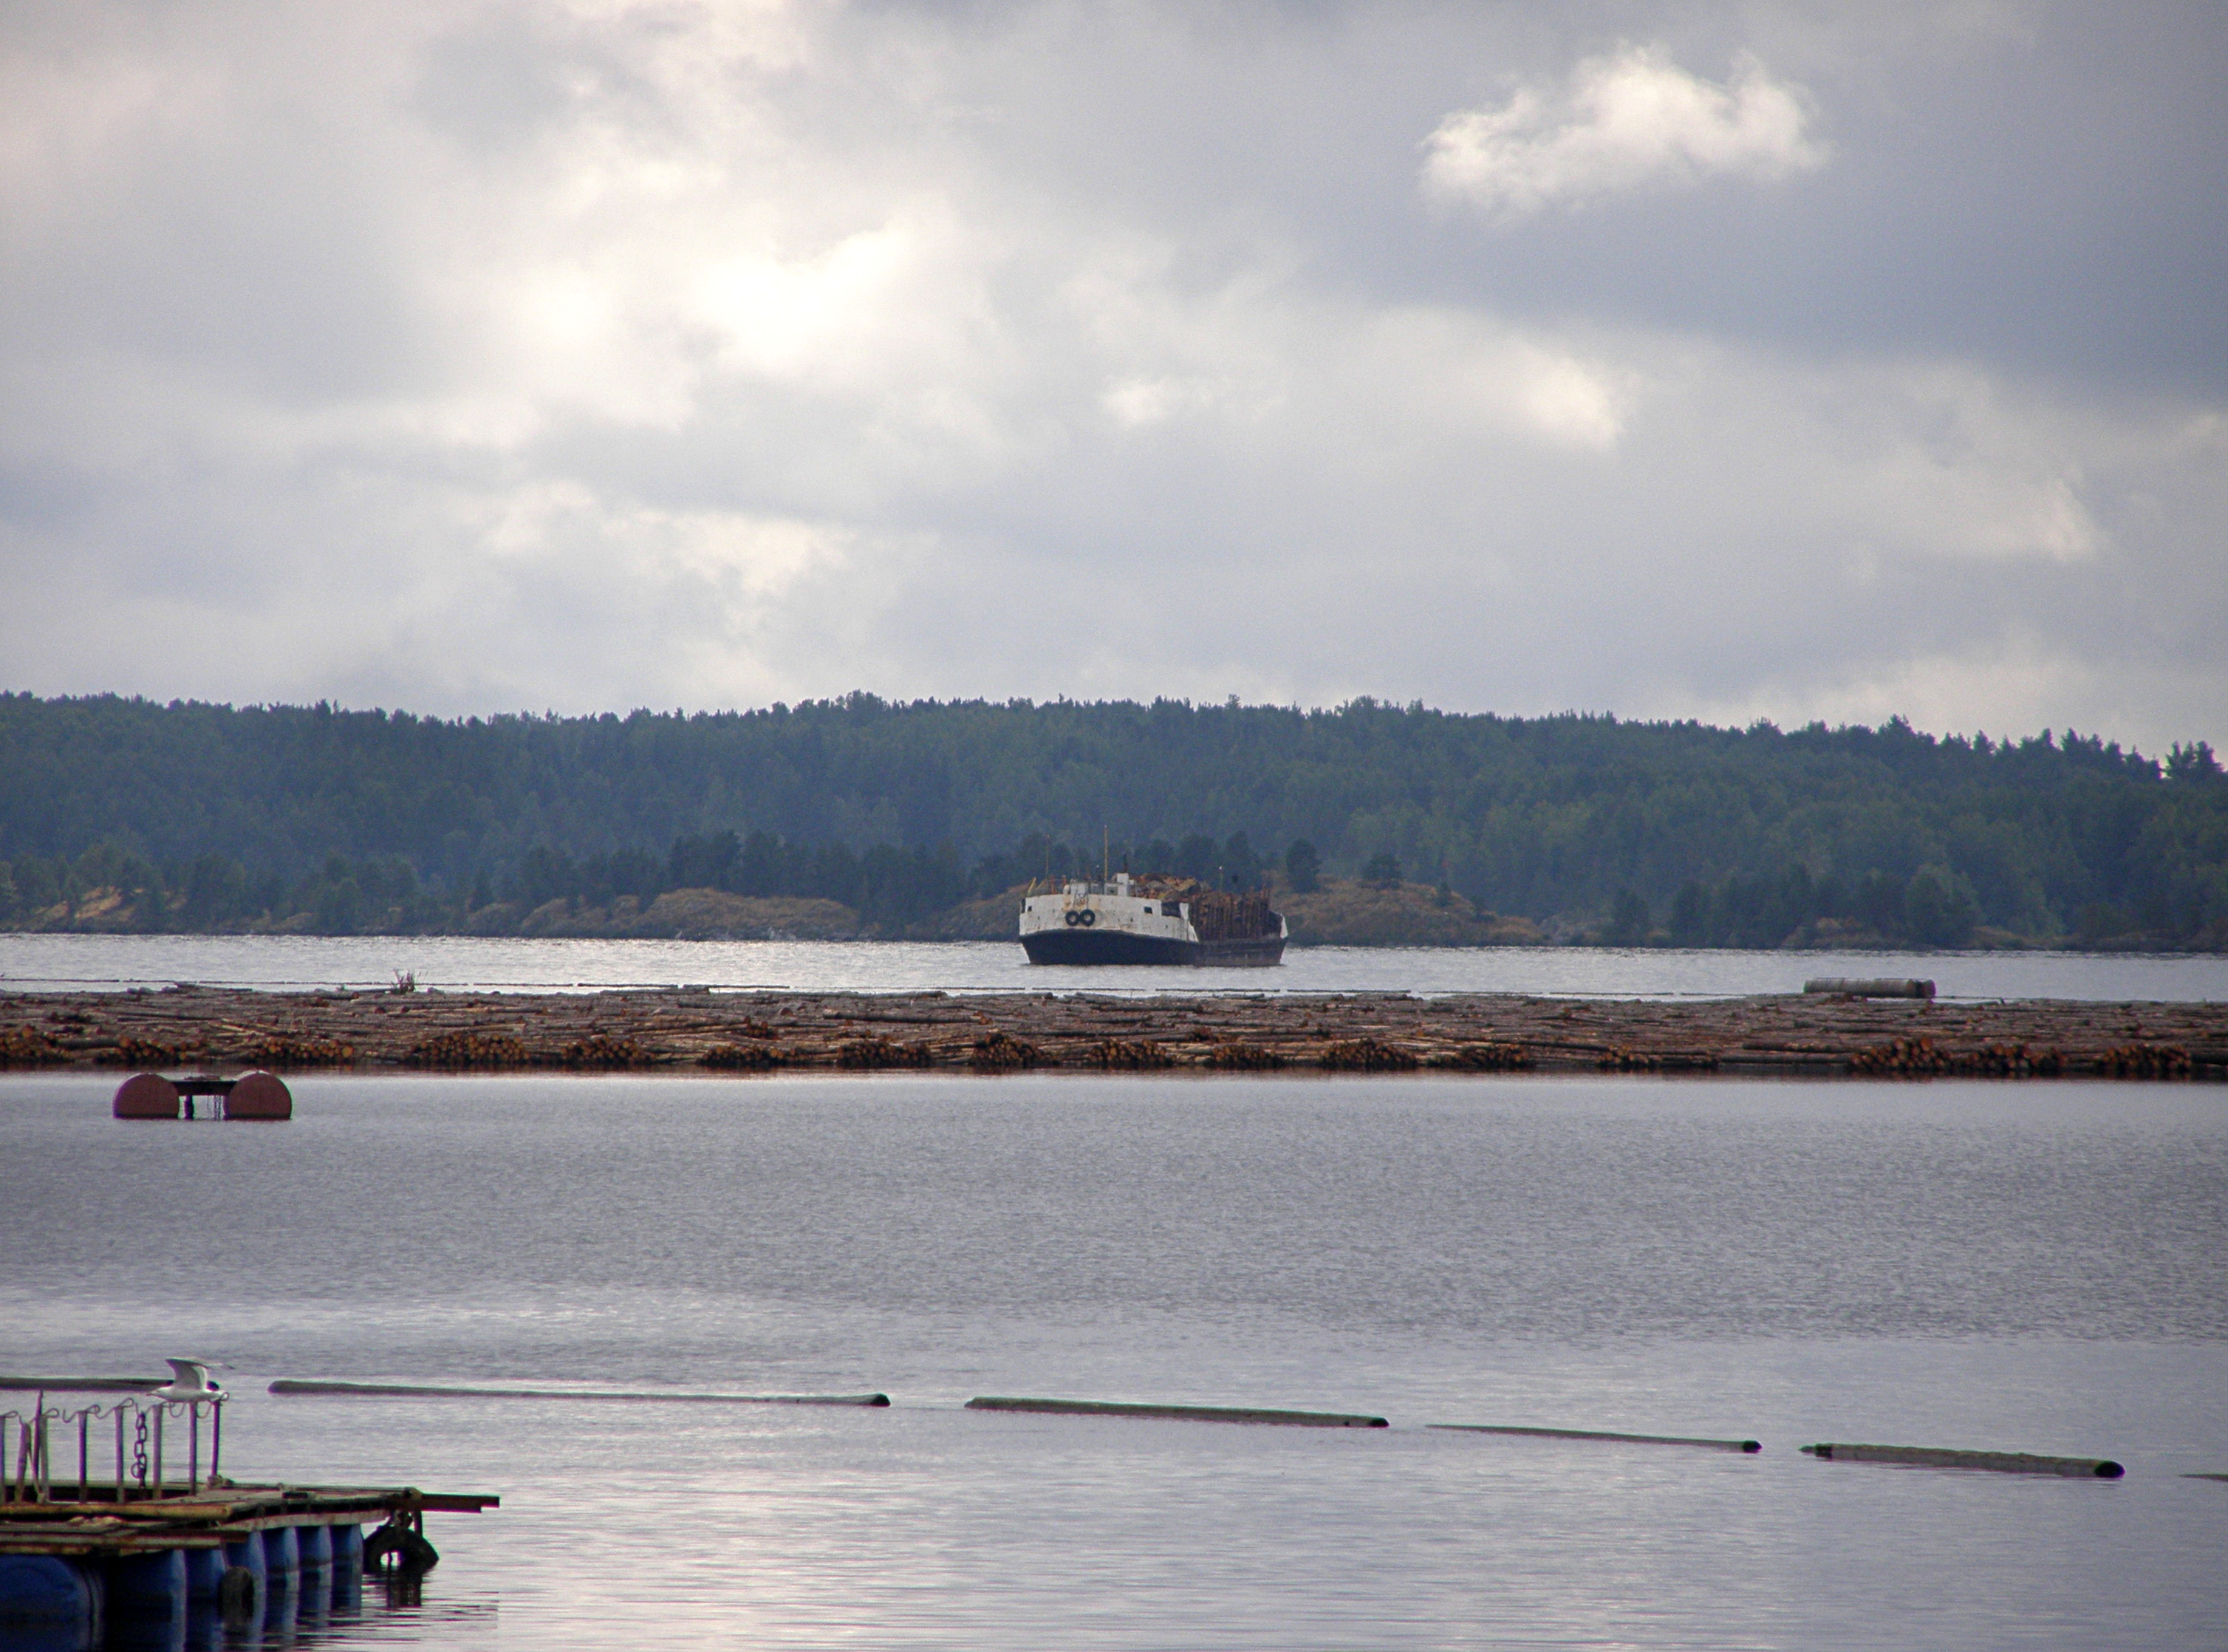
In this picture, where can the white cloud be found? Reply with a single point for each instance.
(1622, 121)
(695, 355)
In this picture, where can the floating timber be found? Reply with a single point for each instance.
(753, 1032)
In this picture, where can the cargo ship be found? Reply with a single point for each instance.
(1150, 920)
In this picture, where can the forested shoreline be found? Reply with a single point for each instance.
(920, 819)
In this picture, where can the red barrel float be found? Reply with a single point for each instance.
(147, 1095)
(259, 1095)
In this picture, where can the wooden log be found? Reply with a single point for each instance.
(1856, 987)
(1929, 1457)
(1600, 1434)
(1180, 1413)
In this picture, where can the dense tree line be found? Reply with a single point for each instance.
(1672, 831)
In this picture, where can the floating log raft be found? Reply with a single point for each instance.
(747, 1031)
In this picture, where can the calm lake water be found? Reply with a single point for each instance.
(51, 963)
(2014, 1266)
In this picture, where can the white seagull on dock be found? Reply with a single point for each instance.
(192, 1383)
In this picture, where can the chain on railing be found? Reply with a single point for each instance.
(27, 1474)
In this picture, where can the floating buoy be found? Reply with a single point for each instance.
(147, 1585)
(205, 1570)
(259, 1095)
(348, 1544)
(316, 1543)
(245, 1554)
(280, 1551)
(44, 1591)
(148, 1095)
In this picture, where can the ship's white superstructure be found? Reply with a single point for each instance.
(1113, 921)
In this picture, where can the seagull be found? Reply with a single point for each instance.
(192, 1383)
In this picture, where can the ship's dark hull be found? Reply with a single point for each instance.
(1081, 945)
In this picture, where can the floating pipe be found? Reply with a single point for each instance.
(1599, 1434)
(294, 1385)
(1184, 1413)
(1927, 1456)
(1854, 987)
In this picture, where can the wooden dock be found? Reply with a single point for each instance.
(99, 1528)
(766, 1032)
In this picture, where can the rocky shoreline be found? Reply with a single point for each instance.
(704, 1030)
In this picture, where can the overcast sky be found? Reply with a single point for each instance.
(1672, 361)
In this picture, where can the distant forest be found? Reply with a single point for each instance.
(206, 816)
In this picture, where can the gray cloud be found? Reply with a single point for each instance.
(584, 356)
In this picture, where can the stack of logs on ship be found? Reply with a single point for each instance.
(764, 1032)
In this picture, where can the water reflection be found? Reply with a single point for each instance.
(1959, 1264)
(315, 1606)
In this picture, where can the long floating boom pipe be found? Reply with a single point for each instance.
(1599, 1434)
(1181, 1413)
(1929, 1457)
(293, 1385)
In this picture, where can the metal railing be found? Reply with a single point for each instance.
(29, 1441)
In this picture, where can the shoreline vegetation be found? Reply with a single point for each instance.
(682, 1028)
(1340, 912)
(1370, 824)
